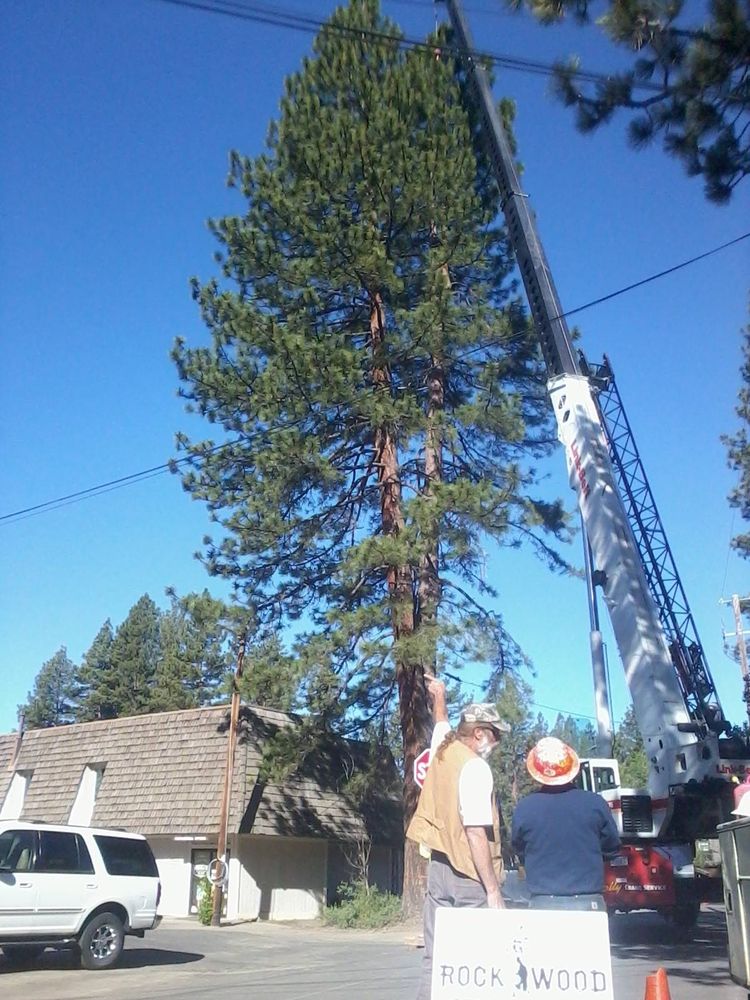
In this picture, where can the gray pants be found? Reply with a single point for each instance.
(445, 887)
(591, 901)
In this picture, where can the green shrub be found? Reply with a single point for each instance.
(205, 901)
(363, 906)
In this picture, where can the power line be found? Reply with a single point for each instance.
(611, 295)
(94, 491)
(729, 551)
(108, 487)
(653, 277)
(281, 18)
(536, 704)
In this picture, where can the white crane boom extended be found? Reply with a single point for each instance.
(674, 700)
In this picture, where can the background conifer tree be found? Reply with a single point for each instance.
(695, 59)
(94, 678)
(630, 752)
(512, 781)
(194, 653)
(576, 732)
(135, 655)
(274, 677)
(52, 699)
(376, 391)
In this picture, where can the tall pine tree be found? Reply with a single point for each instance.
(51, 702)
(377, 391)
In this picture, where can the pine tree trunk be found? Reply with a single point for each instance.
(409, 676)
(429, 575)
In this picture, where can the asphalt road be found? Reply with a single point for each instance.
(299, 962)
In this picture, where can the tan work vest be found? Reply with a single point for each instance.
(437, 820)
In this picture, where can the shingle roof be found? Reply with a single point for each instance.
(7, 745)
(163, 774)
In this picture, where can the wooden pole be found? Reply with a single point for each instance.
(19, 741)
(226, 795)
(740, 634)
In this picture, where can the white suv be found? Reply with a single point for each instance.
(68, 886)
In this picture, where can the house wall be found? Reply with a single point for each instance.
(270, 878)
(173, 862)
(281, 878)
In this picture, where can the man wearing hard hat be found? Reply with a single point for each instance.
(457, 821)
(562, 833)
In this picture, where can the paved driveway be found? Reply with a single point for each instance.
(299, 962)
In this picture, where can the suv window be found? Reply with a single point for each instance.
(63, 852)
(123, 856)
(16, 850)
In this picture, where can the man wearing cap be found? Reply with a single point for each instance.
(562, 833)
(457, 819)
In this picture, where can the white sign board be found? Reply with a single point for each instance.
(521, 955)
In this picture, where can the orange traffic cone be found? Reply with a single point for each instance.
(657, 986)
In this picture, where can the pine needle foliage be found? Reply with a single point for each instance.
(738, 451)
(696, 59)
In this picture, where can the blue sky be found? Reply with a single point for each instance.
(116, 122)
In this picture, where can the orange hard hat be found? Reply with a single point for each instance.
(552, 762)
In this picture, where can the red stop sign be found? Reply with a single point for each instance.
(421, 763)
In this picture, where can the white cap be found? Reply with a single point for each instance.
(743, 807)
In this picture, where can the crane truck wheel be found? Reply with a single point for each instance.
(685, 916)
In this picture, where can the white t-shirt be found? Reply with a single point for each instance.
(475, 784)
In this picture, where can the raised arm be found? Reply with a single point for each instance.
(436, 691)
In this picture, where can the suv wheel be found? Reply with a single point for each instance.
(101, 941)
(22, 954)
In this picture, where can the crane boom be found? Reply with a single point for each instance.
(680, 743)
(537, 278)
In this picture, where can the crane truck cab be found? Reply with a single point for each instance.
(599, 774)
(645, 874)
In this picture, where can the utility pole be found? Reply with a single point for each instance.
(19, 741)
(739, 633)
(217, 898)
(736, 601)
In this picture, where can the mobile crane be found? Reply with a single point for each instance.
(629, 561)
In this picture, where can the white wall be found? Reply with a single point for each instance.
(83, 807)
(235, 876)
(173, 862)
(13, 803)
(280, 878)
(270, 878)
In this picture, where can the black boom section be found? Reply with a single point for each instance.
(532, 263)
